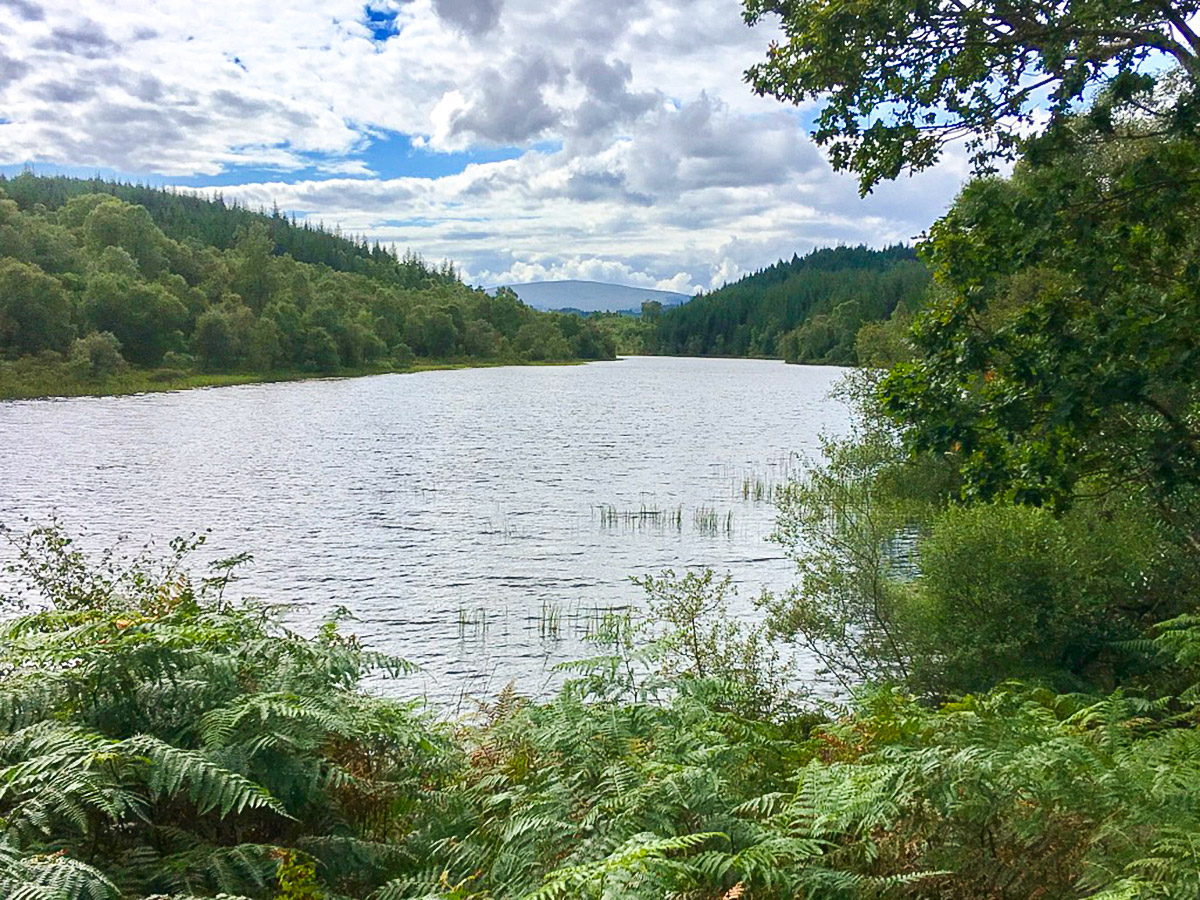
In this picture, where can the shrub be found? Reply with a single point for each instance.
(97, 355)
(180, 743)
(184, 362)
(1013, 592)
(403, 356)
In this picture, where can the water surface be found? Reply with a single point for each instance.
(475, 521)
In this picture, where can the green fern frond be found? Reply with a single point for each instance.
(209, 786)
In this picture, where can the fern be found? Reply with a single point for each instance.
(51, 877)
(158, 741)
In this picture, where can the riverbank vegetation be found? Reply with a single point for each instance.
(107, 288)
(809, 309)
(806, 310)
(161, 739)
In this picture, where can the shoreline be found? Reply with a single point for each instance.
(152, 381)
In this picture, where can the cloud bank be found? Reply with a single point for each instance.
(612, 141)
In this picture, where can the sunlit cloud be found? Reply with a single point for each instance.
(612, 141)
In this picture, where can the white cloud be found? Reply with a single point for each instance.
(641, 152)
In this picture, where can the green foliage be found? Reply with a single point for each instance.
(97, 356)
(702, 641)
(1061, 353)
(144, 316)
(898, 81)
(884, 343)
(808, 310)
(1050, 599)
(156, 738)
(1011, 794)
(629, 335)
(34, 313)
(541, 340)
(239, 291)
(899, 584)
(213, 342)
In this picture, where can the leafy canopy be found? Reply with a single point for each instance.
(899, 80)
(1059, 353)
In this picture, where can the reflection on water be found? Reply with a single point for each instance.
(475, 521)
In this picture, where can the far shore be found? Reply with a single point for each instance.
(50, 386)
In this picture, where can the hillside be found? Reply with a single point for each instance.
(213, 222)
(591, 296)
(807, 310)
(96, 288)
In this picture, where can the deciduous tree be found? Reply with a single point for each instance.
(897, 80)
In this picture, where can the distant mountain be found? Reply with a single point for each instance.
(590, 296)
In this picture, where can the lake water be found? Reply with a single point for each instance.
(476, 521)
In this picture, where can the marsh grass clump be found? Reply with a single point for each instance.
(765, 485)
(473, 623)
(645, 517)
(501, 527)
(550, 621)
(709, 521)
(759, 490)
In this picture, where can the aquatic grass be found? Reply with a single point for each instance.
(555, 621)
(472, 623)
(707, 520)
(606, 624)
(502, 528)
(550, 621)
(759, 486)
(759, 490)
(643, 517)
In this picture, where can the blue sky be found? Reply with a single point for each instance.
(386, 155)
(612, 141)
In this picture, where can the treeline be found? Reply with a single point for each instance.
(184, 216)
(91, 283)
(806, 310)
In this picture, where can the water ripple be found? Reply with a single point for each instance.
(449, 510)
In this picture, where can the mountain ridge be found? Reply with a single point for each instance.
(589, 296)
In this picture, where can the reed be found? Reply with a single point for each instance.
(708, 520)
(550, 620)
(472, 623)
(645, 516)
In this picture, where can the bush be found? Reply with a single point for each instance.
(184, 744)
(541, 340)
(183, 362)
(213, 341)
(97, 355)
(1015, 592)
(403, 356)
(319, 351)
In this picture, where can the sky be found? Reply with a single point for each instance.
(609, 140)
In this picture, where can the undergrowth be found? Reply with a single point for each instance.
(160, 740)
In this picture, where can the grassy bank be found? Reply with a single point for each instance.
(22, 381)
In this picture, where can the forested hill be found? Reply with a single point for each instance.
(187, 216)
(96, 288)
(808, 309)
